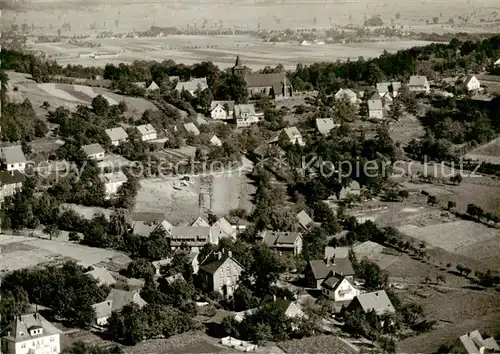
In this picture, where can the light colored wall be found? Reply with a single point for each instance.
(16, 167)
(219, 113)
(43, 345)
(150, 136)
(377, 114)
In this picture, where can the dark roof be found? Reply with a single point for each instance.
(213, 262)
(11, 178)
(273, 238)
(332, 282)
(265, 80)
(341, 266)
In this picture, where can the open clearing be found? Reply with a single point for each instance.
(489, 152)
(20, 252)
(457, 312)
(221, 50)
(68, 96)
(462, 237)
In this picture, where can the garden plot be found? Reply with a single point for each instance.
(53, 90)
(462, 237)
(87, 212)
(20, 252)
(375, 253)
(87, 90)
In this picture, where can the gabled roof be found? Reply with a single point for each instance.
(192, 85)
(166, 225)
(214, 104)
(279, 238)
(469, 78)
(337, 252)
(121, 298)
(191, 128)
(211, 265)
(146, 129)
(333, 283)
(203, 233)
(92, 149)
(153, 86)
(304, 219)
(224, 227)
(375, 105)
(319, 269)
(102, 275)
(161, 262)
(383, 87)
(13, 154)
(13, 177)
(265, 80)
(497, 62)
(325, 125)
(117, 133)
(473, 342)
(340, 266)
(143, 228)
(418, 80)
(292, 132)
(215, 140)
(171, 279)
(113, 177)
(377, 300)
(103, 309)
(342, 93)
(200, 222)
(244, 108)
(20, 327)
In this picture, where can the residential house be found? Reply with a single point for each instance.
(166, 226)
(473, 343)
(10, 182)
(221, 110)
(153, 87)
(377, 301)
(215, 141)
(94, 151)
(471, 83)
(223, 229)
(496, 63)
(292, 135)
(353, 189)
(102, 275)
(396, 86)
(161, 263)
(292, 310)
(192, 85)
(304, 220)
(220, 272)
(147, 132)
(143, 228)
(192, 261)
(31, 334)
(268, 149)
(317, 271)
(192, 237)
(245, 115)
(419, 84)
(173, 278)
(13, 158)
(383, 88)
(387, 100)
(339, 289)
(192, 129)
(115, 301)
(346, 95)
(117, 135)
(200, 222)
(325, 125)
(375, 109)
(388, 88)
(112, 182)
(283, 242)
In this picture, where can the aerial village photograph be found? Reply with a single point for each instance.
(228, 176)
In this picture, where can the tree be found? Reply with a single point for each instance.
(83, 348)
(128, 324)
(140, 268)
(435, 19)
(100, 105)
(451, 204)
(432, 200)
(456, 179)
(52, 230)
(387, 344)
(314, 243)
(396, 111)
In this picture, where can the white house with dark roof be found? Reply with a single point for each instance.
(220, 272)
(283, 242)
(115, 301)
(11, 182)
(200, 222)
(147, 132)
(473, 343)
(221, 110)
(117, 135)
(192, 237)
(94, 151)
(419, 84)
(375, 109)
(376, 300)
(317, 271)
(13, 158)
(292, 135)
(388, 88)
(245, 115)
(346, 95)
(31, 334)
(153, 87)
(112, 182)
(339, 289)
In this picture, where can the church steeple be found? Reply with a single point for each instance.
(238, 69)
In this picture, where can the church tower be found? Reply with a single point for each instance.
(239, 69)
